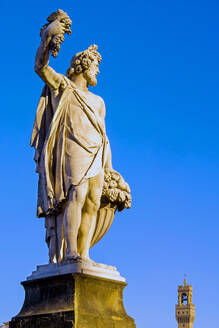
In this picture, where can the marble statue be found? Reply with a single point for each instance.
(78, 190)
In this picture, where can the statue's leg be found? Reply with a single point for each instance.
(50, 225)
(60, 237)
(89, 214)
(72, 219)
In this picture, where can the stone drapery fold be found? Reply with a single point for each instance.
(70, 145)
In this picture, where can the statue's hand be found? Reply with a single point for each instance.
(53, 32)
(54, 28)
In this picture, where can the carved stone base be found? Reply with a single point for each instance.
(73, 301)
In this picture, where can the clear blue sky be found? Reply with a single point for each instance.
(159, 79)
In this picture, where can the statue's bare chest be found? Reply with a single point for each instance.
(94, 101)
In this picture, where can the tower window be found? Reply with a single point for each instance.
(184, 298)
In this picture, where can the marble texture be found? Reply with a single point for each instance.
(72, 267)
(78, 190)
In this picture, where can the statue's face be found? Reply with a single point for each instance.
(91, 73)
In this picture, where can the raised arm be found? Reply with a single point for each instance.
(47, 74)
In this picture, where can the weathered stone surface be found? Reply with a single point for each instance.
(185, 310)
(79, 266)
(73, 300)
(78, 189)
(55, 320)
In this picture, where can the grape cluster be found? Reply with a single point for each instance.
(57, 40)
(115, 190)
(67, 23)
(55, 43)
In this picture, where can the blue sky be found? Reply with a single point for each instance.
(159, 79)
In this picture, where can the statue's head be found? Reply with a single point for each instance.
(86, 63)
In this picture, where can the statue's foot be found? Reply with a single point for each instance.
(72, 257)
(88, 260)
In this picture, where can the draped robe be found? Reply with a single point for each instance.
(70, 145)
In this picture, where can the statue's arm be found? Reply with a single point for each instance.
(42, 68)
(108, 164)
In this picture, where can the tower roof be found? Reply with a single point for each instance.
(185, 285)
(185, 280)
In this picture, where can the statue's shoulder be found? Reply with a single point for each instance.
(98, 98)
(101, 100)
(99, 104)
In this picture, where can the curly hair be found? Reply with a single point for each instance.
(82, 60)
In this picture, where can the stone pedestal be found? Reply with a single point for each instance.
(72, 300)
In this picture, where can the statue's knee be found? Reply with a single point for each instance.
(92, 205)
(84, 229)
(77, 196)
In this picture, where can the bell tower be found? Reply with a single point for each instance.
(185, 310)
